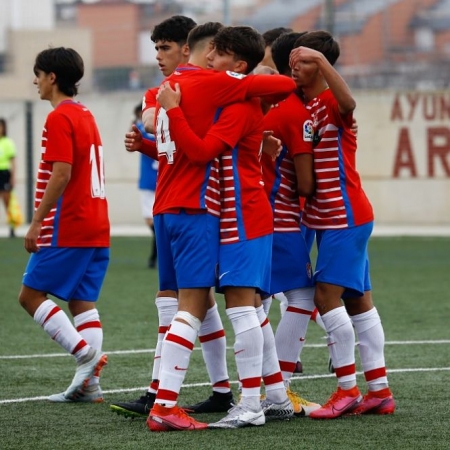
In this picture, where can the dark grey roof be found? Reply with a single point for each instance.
(351, 17)
(436, 17)
(279, 13)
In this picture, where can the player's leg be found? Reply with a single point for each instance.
(276, 404)
(340, 273)
(213, 342)
(51, 270)
(195, 259)
(246, 264)
(367, 323)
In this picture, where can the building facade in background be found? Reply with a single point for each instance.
(385, 43)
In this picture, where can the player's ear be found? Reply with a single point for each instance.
(241, 66)
(185, 50)
(52, 77)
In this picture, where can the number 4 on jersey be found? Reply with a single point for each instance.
(163, 142)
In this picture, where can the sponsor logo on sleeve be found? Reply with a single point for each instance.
(240, 76)
(308, 131)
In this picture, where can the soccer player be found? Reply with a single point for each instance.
(7, 168)
(170, 39)
(172, 49)
(187, 234)
(246, 226)
(285, 179)
(342, 216)
(269, 37)
(69, 244)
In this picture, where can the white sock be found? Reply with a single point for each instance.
(248, 350)
(214, 348)
(59, 327)
(341, 345)
(371, 348)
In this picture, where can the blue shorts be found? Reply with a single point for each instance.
(308, 235)
(245, 264)
(69, 273)
(343, 259)
(188, 247)
(291, 265)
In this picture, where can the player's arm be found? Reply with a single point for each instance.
(271, 88)
(336, 83)
(148, 119)
(148, 109)
(57, 183)
(304, 172)
(135, 142)
(198, 150)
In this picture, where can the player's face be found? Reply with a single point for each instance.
(169, 55)
(305, 73)
(222, 61)
(44, 82)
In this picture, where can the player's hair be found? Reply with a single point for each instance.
(281, 49)
(323, 42)
(66, 64)
(245, 42)
(271, 35)
(138, 109)
(4, 127)
(173, 29)
(203, 34)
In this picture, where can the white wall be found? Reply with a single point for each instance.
(403, 155)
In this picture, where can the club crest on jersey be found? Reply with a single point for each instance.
(235, 74)
(308, 131)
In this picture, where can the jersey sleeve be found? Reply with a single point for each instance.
(344, 120)
(230, 87)
(272, 88)
(148, 148)
(149, 100)
(59, 146)
(293, 125)
(222, 135)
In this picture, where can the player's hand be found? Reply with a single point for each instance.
(30, 240)
(271, 145)
(167, 97)
(304, 54)
(133, 139)
(264, 70)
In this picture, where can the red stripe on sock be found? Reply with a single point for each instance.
(251, 382)
(222, 384)
(180, 341)
(287, 366)
(345, 370)
(79, 346)
(93, 324)
(265, 322)
(154, 385)
(299, 311)
(211, 336)
(314, 314)
(55, 310)
(272, 379)
(162, 330)
(373, 374)
(166, 395)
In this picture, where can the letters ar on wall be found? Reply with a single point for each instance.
(430, 112)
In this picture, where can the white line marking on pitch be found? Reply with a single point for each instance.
(194, 385)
